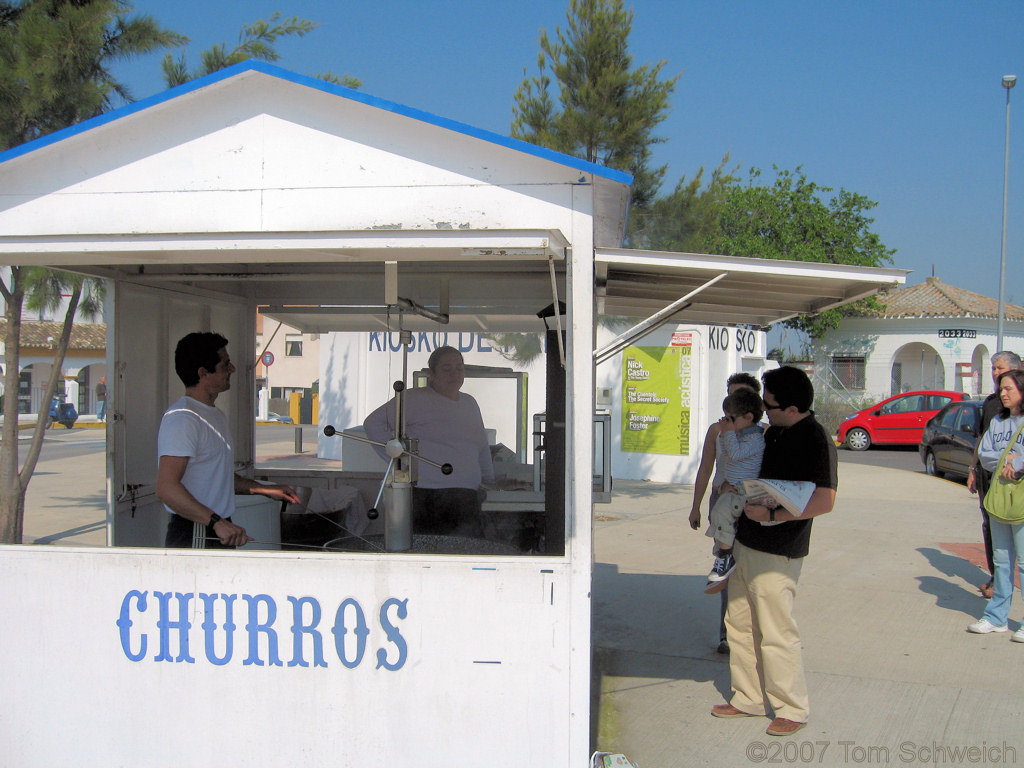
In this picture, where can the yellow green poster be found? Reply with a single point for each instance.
(656, 398)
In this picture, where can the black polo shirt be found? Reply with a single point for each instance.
(989, 410)
(803, 451)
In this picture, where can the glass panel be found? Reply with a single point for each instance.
(849, 371)
(949, 417)
(968, 420)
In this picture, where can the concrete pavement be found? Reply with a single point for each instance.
(66, 499)
(884, 600)
(883, 604)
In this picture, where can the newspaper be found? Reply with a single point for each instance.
(791, 494)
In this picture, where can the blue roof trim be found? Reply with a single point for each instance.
(117, 114)
(322, 85)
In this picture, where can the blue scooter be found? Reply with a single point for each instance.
(62, 413)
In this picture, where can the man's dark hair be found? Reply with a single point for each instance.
(742, 402)
(1017, 376)
(745, 379)
(195, 351)
(790, 386)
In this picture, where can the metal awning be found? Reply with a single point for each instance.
(756, 292)
(486, 281)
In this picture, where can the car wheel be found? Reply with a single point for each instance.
(858, 439)
(929, 465)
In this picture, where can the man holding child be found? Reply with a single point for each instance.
(765, 662)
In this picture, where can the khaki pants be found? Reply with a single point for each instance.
(764, 642)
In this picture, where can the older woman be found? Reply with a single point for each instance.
(448, 425)
(1007, 538)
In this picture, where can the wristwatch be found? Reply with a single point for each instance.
(214, 518)
(771, 514)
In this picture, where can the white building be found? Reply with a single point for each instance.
(928, 336)
(288, 363)
(84, 364)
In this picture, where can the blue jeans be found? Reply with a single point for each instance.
(1007, 546)
(725, 592)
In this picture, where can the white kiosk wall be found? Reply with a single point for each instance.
(361, 661)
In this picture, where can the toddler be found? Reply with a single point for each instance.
(739, 450)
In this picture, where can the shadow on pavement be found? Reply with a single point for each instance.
(87, 528)
(650, 629)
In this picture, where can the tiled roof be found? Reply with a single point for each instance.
(934, 298)
(84, 336)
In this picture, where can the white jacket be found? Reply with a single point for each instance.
(994, 441)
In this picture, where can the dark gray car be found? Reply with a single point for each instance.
(949, 437)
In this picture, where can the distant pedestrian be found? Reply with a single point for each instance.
(978, 478)
(101, 398)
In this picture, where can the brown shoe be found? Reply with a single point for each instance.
(780, 726)
(728, 710)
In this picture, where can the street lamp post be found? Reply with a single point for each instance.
(1008, 82)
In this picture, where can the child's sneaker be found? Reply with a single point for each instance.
(719, 576)
(724, 565)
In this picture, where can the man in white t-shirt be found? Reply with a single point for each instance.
(195, 475)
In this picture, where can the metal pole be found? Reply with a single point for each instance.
(1008, 82)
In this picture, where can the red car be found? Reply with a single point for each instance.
(898, 420)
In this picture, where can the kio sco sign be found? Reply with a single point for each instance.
(345, 638)
(743, 340)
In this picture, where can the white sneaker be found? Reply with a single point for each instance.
(984, 626)
(1018, 636)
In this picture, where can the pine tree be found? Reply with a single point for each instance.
(55, 58)
(687, 220)
(607, 110)
(255, 41)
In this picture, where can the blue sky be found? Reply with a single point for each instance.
(900, 101)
